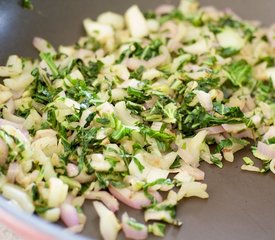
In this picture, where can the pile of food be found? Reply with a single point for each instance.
(128, 113)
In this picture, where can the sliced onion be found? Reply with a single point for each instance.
(105, 197)
(159, 60)
(16, 125)
(13, 171)
(272, 165)
(134, 63)
(253, 168)
(269, 134)
(171, 28)
(213, 130)
(234, 128)
(69, 215)
(42, 45)
(136, 200)
(108, 223)
(84, 177)
(132, 232)
(266, 150)
(248, 133)
(194, 172)
(72, 170)
(204, 100)
(174, 45)
(4, 152)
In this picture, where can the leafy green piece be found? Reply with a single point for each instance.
(151, 50)
(150, 15)
(223, 144)
(231, 22)
(239, 73)
(270, 140)
(103, 121)
(161, 136)
(138, 163)
(158, 229)
(135, 108)
(266, 166)
(134, 224)
(145, 53)
(47, 57)
(91, 71)
(27, 4)
(41, 209)
(216, 161)
(136, 95)
(176, 163)
(228, 52)
(190, 119)
(170, 211)
(234, 112)
(175, 14)
(120, 133)
(269, 60)
(248, 161)
(137, 74)
(264, 92)
(114, 178)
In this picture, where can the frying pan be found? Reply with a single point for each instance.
(241, 204)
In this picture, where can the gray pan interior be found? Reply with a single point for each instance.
(241, 204)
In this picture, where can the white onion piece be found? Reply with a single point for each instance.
(272, 165)
(16, 125)
(234, 128)
(108, 223)
(213, 130)
(69, 215)
(193, 189)
(174, 45)
(253, 168)
(136, 22)
(156, 126)
(72, 170)
(136, 200)
(83, 177)
(105, 197)
(134, 63)
(160, 59)
(204, 100)
(112, 19)
(42, 45)
(248, 133)
(269, 134)
(13, 171)
(194, 172)
(13, 67)
(131, 232)
(4, 152)
(52, 215)
(18, 195)
(124, 114)
(57, 192)
(266, 150)
(171, 28)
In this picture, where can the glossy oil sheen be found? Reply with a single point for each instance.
(241, 204)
